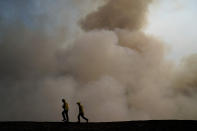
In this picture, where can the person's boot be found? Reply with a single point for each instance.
(64, 120)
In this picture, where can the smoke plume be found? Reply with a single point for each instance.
(123, 14)
(98, 56)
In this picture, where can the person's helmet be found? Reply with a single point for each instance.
(63, 100)
(78, 103)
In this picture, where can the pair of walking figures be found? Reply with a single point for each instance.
(66, 108)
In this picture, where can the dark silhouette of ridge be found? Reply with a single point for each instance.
(154, 125)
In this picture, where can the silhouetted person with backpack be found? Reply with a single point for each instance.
(65, 111)
(81, 112)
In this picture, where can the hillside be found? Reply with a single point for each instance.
(167, 125)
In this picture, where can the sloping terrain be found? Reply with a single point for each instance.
(167, 125)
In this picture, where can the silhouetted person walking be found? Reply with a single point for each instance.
(65, 111)
(81, 112)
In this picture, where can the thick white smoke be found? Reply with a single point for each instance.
(106, 62)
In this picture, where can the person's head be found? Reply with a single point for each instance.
(63, 100)
(78, 103)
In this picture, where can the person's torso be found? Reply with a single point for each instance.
(65, 106)
(81, 110)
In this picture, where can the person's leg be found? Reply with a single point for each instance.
(79, 118)
(63, 115)
(67, 118)
(84, 117)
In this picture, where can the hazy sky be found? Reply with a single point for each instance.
(106, 61)
(175, 22)
(172, 21)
